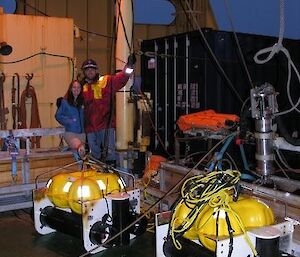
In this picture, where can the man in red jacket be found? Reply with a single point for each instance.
(98, 93)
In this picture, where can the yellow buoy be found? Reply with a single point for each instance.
(251, 213)
(58, 188)
(70, 190)
(244, 214)
(84, 189)
(109, 183)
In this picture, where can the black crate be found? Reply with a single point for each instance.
(167, 78)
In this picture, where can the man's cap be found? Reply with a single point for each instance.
(89, 63)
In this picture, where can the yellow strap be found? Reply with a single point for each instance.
(97, 87)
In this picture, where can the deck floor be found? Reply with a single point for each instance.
(18, 238)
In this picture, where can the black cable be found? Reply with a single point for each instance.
(23, 59)
(124, 28)
(97, 163)
(238, 45)
(45, 14)
(132, 27)
(245, 122)
(107, 207)
(32, 7)
(220, 182)
(43, 53)
(95, 33)
(244, 105)
(213, 57)
(217, 224)
(230, 232)
(113, 46)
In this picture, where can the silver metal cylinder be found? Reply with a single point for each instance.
(263, 107)
(264, 147)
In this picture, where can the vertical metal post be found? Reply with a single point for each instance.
(13, 148)
(177, 151)
(175, 45)
(25, 163)
(166, 94)
(187, 44)
(156, 91)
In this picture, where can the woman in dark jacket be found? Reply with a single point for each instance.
(70, 115)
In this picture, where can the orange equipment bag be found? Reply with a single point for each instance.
(207, 119)
(152, 166)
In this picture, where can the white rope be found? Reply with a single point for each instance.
(275, 49)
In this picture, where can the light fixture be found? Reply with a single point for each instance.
(130, 63)
(5, 49)
(129, 70)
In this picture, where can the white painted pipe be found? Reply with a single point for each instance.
(124, 109)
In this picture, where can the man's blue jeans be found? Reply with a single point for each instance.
(98, 141)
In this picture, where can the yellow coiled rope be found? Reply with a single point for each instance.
(198, 191)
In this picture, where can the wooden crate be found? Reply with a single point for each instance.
(40, 161)
(171, 174)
